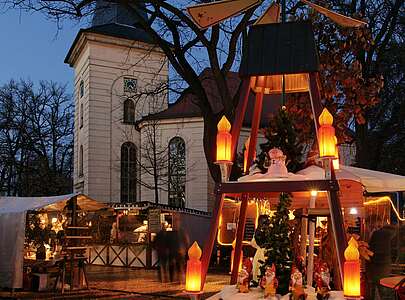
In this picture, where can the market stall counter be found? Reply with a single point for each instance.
(37, 236)
(126, 238)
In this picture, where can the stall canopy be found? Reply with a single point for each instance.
(372, 181)
(13, 212)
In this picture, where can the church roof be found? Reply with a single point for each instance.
(115, 30)
(186, 107)
(107, 12)
(113, 19)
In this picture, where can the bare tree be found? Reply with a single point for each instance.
(36, 139)
(160, 160)
(189, 49)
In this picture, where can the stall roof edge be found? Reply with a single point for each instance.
(147, 204)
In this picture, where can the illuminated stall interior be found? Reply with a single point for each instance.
(363, 213)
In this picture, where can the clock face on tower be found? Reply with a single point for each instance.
(130, 85)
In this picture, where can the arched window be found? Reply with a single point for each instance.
(129, 111)
(81, 115)
(81, 88)
(177, 172)
(128, 172)
(81, 160)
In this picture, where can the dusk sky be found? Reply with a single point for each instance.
(33, 48)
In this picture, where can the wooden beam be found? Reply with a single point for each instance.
(279, 186)
(315, 98)
(209, 243)
(239, 238)
(338, 227)
(240, 115)
(255, 129)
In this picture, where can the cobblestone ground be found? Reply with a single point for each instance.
(124, 283)
(146, 281)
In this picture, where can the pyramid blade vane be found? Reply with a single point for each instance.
(209, 14)
(271, 15)
(337, 18)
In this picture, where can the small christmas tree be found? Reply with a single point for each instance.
(282, 134)
(276, 241)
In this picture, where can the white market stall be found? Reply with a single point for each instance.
(13, 213)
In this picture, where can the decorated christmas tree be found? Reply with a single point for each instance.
(282, 134)
(276, 241)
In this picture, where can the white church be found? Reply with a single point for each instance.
(125, 129)
(117, 72)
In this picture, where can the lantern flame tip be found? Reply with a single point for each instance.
(224, 125)
(194, 251)
(352, 252)
(325, 118)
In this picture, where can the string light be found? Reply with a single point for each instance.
(382, 200)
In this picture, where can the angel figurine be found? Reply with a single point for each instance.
(243, 280)
(277, 167)
(322, 280)
(245, 276)
(296, 285)
(269, 283)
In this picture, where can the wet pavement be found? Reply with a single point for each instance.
(125, 283)
(147, 282)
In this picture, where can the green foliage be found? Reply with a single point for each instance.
(281, 133)
(276, 241)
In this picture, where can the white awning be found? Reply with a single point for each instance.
(13, 212)
(372, 181)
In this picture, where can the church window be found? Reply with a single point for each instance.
(81, 89)
(81, 115)
(81, 160)
(129, 111)
(177, 172)
(128, 172)
(130, 85)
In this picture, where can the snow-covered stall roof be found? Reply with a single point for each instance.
(13, 212)
(372, 181)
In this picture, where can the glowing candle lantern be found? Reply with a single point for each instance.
(193, 274)
(351, 272)
(326, 135)
(224, 140)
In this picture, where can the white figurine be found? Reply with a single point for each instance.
(277, 166)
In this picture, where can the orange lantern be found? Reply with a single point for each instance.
(193, 274)
(326, 135)
(351, 286)
(336, 159)
(224, 141)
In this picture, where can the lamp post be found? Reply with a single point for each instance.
(327, 152)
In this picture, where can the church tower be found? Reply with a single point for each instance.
(117, 68)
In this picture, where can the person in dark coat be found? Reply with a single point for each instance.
(161, 244)
(379, 265)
